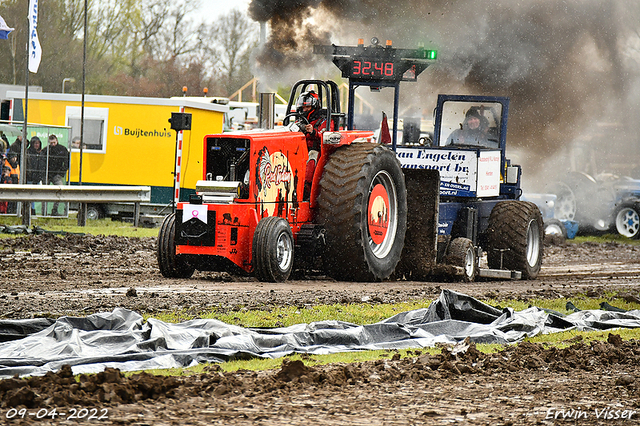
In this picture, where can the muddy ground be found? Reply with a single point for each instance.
(596, 383)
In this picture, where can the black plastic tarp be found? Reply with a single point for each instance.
(121, 339)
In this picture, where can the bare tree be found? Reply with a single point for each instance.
(126, 31)
(229, 42)
(178, 39)
(134, 47)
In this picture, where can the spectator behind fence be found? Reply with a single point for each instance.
(4, 143)
(14, 175)
(14, 166)
(36, 166)
(17, 147)
(57, 165)
(5, 178)
(36, 161)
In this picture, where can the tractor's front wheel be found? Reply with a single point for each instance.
(273, 249)
(170, 264)
(462, 253)
(515, 236)
(363, 208)
(554, 231)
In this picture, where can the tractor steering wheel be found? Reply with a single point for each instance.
(301, 118)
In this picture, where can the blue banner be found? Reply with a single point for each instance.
(4, 29)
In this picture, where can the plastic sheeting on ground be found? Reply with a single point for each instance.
(121, 339)
(24, 229)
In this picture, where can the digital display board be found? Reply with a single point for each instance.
(365, 68)
(379, 64)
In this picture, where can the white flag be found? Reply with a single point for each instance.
(35, 51)
(4, 29)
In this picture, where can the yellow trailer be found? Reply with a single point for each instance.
(128, 140)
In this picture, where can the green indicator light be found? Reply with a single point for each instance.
(432, 54)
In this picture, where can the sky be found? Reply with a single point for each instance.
(214, 8)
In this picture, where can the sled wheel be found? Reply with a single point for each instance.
(171, 265)
(554, 231)
(565, 205)
(273, 249)
(363, 208)
(94, 212)
(628, 221)
(462, 253)
(515, 238)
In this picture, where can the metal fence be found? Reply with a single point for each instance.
(78, 193)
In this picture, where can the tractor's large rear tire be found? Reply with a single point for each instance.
(170, 264)
(273, 250)
(363, 208)
(515, 238)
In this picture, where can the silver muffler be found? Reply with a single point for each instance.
(267, 113)
(218, 191)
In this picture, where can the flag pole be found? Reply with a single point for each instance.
(82, 211)
(26, 206)
(32, 43)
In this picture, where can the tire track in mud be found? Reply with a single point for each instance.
(48, 275)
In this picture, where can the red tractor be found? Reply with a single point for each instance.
(251, 212)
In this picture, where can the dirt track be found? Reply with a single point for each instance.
(49, 276)
(46, 275)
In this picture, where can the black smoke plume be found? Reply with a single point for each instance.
(568, 66)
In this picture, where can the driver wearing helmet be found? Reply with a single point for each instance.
(308, 106)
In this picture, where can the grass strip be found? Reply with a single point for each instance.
(366, 313)
(363, 313)
(70, 225)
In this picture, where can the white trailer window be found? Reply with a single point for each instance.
(95, 127)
